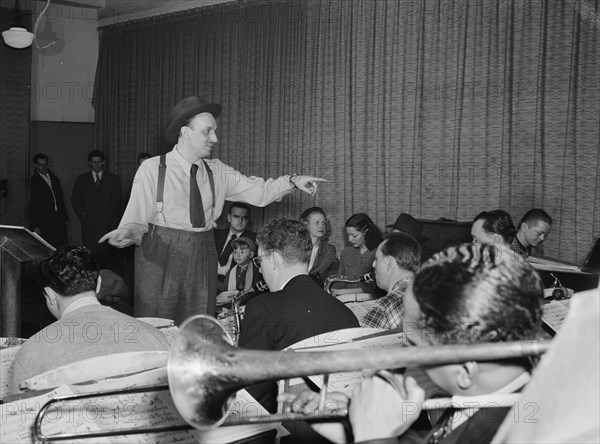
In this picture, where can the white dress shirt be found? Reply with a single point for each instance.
(46, 178)
(230, 185)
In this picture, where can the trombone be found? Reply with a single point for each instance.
(204, 372)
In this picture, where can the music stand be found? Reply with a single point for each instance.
(18, 245)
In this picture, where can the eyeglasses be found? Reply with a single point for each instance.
(257, 261)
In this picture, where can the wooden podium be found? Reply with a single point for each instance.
(18, 246)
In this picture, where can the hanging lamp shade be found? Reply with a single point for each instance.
(17, 37)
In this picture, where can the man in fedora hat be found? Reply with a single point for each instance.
(175, 200)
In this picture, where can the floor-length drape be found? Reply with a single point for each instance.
(434, 108)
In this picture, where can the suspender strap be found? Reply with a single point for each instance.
(160, 186)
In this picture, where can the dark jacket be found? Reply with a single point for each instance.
(99, 208)
(42, 214)
(274, 321)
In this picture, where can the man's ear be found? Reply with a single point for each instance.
(276, 258)
(388, 263)
(525, 226)
(467, 374)
(98, 284)
(498, 239)
(50, 296)
(185, 131)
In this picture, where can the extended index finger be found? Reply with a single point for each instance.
(105, 237)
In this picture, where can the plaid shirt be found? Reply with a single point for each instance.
(527, 251)
(389, 310)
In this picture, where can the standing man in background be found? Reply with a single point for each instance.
(175, 201)
(96, 199)
(47, 212)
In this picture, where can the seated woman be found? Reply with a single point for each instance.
(493, 227)
(357, 260)
(396, 260)
(323, 260)
(466, 294)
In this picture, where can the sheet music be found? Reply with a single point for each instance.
(371, 339)
(540, 263)
(122, 410)
(7, 356)
(555, 313)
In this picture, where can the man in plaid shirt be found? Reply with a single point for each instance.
(396, 261)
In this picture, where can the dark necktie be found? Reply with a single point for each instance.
(97, 180)
(196, 207)
(227, 250)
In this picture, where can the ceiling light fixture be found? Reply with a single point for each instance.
(18, 37)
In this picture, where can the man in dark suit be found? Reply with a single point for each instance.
(238, 218)
(47, 213)
(96, 199)
(297, 308)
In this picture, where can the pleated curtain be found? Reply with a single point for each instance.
(433, 108)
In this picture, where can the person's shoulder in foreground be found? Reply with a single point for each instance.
(84, 328)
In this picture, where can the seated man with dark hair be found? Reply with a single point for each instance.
(84, 328)
(534, 229)
(396, 260)
(297, 308)
(467, 294)
(493, 227)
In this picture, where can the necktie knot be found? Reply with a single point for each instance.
(194, 170)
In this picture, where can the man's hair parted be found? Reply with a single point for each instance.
(499, 222)
(404, 248)
(534, 215)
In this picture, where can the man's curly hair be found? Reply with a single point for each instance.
(69, 271)
(478, 293)
(289, 237)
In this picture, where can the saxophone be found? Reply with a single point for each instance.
(333, 279)
(241, 298)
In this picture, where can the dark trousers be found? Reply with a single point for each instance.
(175, 274)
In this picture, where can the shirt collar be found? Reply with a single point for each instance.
(401, 284)
(83, 302)
(287, 282)
(185, 164)
(462, 415)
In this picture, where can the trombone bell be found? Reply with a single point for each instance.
(195, 372)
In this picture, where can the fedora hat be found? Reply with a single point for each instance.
(407, 224)
(184, 111)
